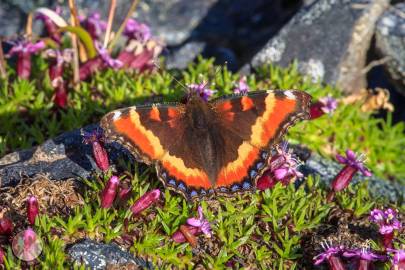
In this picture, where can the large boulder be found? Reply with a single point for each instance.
(390, 42)
(329, 39)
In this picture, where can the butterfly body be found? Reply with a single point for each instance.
(201, 148)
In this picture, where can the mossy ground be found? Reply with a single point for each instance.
(267, 230)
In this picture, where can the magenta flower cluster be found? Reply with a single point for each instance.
(283, 168)
(202, 90)
(386, 220)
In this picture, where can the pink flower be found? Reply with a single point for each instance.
(93, 24)
(365, 256)
(202, 90)
(109, 192)
(242, 87)
(331, 255)
(325, 105)
(24, 49)
(138, 31)
(32, 209)
(99, 153)
(201, 223)
(388, 222)
(353, 165)
(6, 226)
(145, 201)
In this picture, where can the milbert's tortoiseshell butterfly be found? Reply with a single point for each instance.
(202, 148)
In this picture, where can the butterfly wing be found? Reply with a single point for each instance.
(256, 122)
(156, 135)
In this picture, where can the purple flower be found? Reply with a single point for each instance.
(322, 106)
(398, 258)
(93, 24)
(24, 49)
(387, 220)
(330, 252)
(105, 55)
(283, 168)
(138, 31)
(353, 161)
(363, 254)
(61, 56)
(202, 90)
(201, 223)
(329, 104)
(96, 139)
(241, 87)
(353, 165)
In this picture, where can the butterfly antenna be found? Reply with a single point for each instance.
(171, 76)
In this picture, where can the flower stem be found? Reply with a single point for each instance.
(113, 5)
(335, 263)
(122, 26)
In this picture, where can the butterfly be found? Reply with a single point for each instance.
(201, 148)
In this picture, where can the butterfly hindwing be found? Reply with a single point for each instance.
(259, 119)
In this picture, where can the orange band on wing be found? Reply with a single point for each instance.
(154, 114)
(144, 139)
(236, 170)
(193, 177)
(266, 126)
(247, 103)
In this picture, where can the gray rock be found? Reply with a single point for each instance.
(329, 38)
(390, 41)
(98, 256)
(180, 57)
(63, 157)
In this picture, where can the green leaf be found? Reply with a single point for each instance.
(84, 37)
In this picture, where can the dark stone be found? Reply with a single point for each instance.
(98, 256)
(330, 39)
(63, 157)
(390, 42)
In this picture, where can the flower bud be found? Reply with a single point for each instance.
(109, 192)
(32, 209)
(6, 226)
(145, 201)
